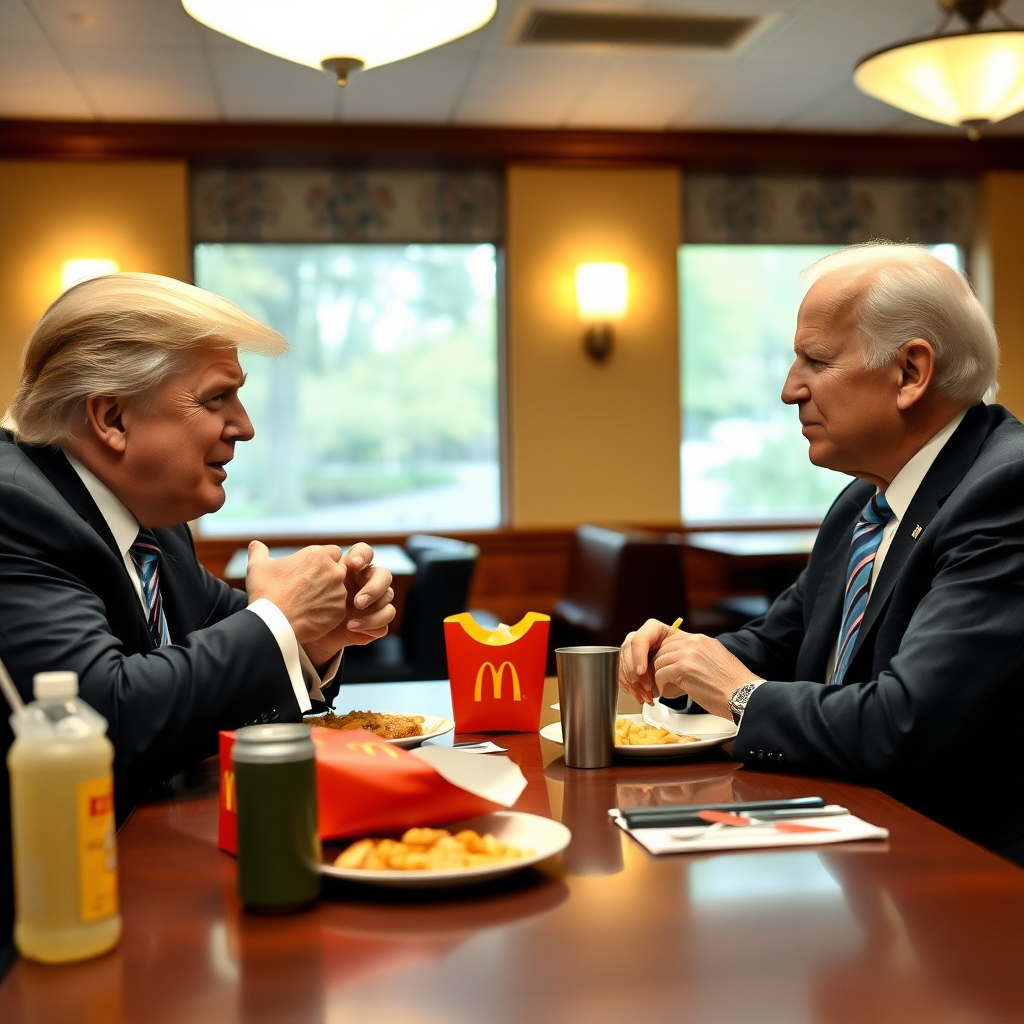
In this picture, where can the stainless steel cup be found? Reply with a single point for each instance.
(588, 688)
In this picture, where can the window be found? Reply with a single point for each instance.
(743, 456)
(384, 414)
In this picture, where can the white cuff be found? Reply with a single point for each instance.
(290, 650)
(314, 681)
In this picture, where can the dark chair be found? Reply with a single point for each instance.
(444, 572)
(617, 580)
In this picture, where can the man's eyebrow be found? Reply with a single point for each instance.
(224, 384)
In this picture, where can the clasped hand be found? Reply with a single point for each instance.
(657, 660)
(331, 599)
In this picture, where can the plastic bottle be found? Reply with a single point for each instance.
(62, 818)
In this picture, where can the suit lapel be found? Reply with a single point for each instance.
(55, 467)
(948, 469)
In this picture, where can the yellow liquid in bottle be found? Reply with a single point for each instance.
(65, 878)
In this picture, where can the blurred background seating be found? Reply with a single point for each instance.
(616, 580)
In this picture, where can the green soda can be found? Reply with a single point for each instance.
(278, 843)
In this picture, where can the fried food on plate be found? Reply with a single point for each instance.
(638, 734)
(388, 727)
(428, 849)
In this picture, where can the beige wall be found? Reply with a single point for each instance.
(587, 441)
(133, 213)
(998, 270)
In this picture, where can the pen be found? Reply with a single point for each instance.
(679, 815)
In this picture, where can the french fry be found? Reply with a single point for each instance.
(428, 849)
(637, 734)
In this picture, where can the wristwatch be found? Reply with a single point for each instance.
(739, 698)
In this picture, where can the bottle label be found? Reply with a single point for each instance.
(97, 850)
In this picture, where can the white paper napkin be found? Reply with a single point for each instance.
(495, 778)
(661, 717)
(843, 828)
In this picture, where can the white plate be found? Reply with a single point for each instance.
(711, 729)
(543, 836)
(433, 726)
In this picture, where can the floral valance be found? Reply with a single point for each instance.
(826, 210)
(289, 205)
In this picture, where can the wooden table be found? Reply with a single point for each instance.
(927, 927)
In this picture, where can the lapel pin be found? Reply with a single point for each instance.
(917, 531)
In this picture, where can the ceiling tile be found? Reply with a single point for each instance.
(257, 86)
(394, 92)
(33, 83)
(642, 90)
(525, 88)
(148, 83)
(126, 23)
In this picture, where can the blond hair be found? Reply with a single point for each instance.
(908, 294)
(121, 335)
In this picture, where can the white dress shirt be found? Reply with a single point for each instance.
(125, 528)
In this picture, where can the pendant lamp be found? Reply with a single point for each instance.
(971, 78)
(341, 36)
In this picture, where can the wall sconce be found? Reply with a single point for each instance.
(73, 271)
(602, 297)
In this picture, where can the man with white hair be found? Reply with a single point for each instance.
(897, 658)
(121, 427)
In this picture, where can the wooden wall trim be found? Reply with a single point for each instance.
(341, 144)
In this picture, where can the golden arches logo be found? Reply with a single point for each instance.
(496, 676)
(229, 791)
(371, 749)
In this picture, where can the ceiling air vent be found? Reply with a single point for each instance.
(633, 28)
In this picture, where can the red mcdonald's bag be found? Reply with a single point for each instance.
(367, 786)
(497, 675)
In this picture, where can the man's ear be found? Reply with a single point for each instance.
(916, 361)
(104, 417)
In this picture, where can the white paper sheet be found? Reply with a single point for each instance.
(842, 829)
(495, 778)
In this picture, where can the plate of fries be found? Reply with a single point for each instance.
(636, 738)
(461, 853)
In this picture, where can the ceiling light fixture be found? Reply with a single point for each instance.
(970, 78)
(342, 36)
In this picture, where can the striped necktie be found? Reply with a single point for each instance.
(145, 554)
(866, 537)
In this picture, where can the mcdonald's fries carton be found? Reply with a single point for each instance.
(366, 785)
(497, 675)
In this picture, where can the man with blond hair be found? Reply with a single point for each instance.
(897, 658)
(125, 418)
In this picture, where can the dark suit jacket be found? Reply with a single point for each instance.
(67, 602)
(931, 704)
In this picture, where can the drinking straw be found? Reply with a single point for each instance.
(10, 691)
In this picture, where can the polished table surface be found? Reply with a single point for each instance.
(753, 543)
(926, 927)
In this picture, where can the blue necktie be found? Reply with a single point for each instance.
(145, 554)
(866, 537)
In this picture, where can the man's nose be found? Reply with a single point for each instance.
(793, 390)
(239, 427)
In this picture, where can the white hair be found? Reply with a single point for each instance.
(121, 335)
(910, 294)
